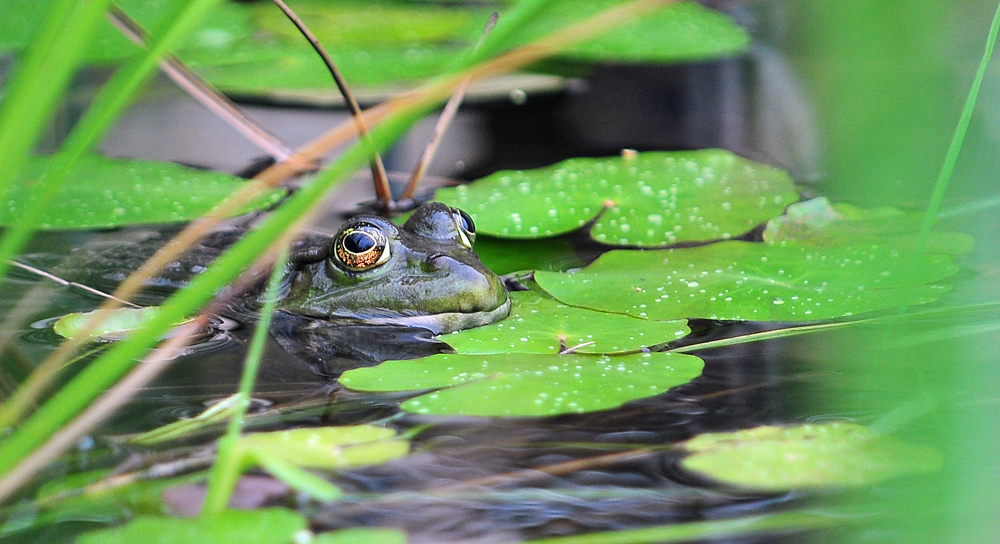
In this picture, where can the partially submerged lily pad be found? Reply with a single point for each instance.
(818, 222)
(526, 384)
(103, 193)
(647, 199)
(117, 325)
(286, 454)
(326, 447)
(540, 324)
(753, 281)
(263, 526)
(773, 458)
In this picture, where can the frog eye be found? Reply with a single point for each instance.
(361, 247)
(466, 227)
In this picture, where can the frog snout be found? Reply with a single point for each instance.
(471, 286)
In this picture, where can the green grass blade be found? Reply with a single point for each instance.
(944, 177)
(227, 466)
(109, 104)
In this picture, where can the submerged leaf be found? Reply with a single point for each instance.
(103, 193)
(326, 447)
(526, 384)
(264, 526)
(649, 199)
(780, 458)
(753, 281)
(540, 324)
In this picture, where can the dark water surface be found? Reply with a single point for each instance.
(467, 479)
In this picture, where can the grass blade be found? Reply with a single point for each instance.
(227, 466)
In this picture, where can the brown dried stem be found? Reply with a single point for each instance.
(378, 169)
(204, 93)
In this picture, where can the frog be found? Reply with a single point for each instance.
(422, 274)
(372, 283)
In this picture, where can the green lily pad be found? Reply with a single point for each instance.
(504, 256)
(817, 222)
(649, 199)
(683, 31)
(119, 323)
(753, 281)
(326, 447)
(255, 66)
(354, 23)
(526, 384)
(361, 535)
(264, 526)
(774, 458)
(227, 23)
(103, 193)
(540, 324)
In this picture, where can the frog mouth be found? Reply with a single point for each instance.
(446, 322)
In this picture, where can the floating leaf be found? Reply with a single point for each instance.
(361, 535)
(353, 23)
(251, 67)
(780, 458)
(537, 324)
(817, 222)
(526, 384)
(753, 281)
(326, 447)
(226, 23)
(103, 193)
(683, 31)
(504, 256)
(119, 323)
(649, 199)
(264, 526)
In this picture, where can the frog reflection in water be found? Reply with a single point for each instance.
(371, 292)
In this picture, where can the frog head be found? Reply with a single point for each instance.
(423, 274)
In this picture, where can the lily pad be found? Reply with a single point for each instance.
(361, 535)
(104, 193)
(227, 23)
(279, 66)
(264, 526)
(326, 447)
(682, 31)
(526, 384)
(540, 324)
(775, 458)
(117, 325)
(817, 222)
(354, 23)
(504, 256)
(647, 199)
(753, 281)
